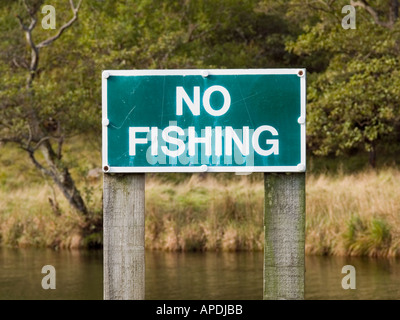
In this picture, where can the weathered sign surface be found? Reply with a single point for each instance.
(204, 120)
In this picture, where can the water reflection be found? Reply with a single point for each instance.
(375, 278)
(78, 274)
(175, 276)
(203, 276)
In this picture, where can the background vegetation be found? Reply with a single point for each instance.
(50, 111)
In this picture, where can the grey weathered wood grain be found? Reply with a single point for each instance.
(123, 224)
(284, 227)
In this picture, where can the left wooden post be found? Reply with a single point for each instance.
(123, 242)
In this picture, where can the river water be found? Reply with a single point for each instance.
(178, 276)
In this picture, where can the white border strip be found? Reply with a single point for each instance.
(301, 167)
(204, 168)
(303, 103)
(104, 120)
(199, 72)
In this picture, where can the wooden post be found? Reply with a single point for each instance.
(284, 227)
(123, 221)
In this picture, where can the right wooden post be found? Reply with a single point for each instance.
(284, 227)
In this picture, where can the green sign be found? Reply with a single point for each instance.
(204, 120)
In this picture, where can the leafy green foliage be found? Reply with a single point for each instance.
(354, 101)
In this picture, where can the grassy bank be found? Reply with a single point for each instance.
(353, 214)
(27, 217)
(204, 214)
(347, 214)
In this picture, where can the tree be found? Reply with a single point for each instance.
(29, 117)
(353, 104)
(187, 34)
(50, 85)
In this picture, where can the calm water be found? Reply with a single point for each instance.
(188, 276)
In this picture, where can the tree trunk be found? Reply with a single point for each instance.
(394, 11)
(67, 186)
(61, 177)
(372, 156)
(37, 134)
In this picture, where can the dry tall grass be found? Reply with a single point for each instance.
(356, 214)
(26, 219)
(204, 215)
